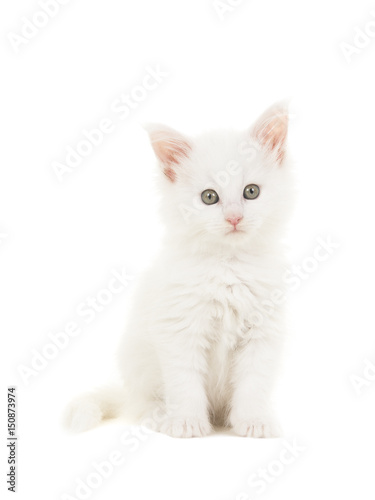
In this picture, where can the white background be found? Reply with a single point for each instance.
(60, 240)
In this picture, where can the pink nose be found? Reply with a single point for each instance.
(234, 220)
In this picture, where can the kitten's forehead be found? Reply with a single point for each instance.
(218, 148)
(226, 158)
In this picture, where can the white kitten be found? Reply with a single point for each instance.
(206, 331)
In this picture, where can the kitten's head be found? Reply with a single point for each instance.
(225, 187)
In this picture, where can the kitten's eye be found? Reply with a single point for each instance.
(251, 192)
(210, 197)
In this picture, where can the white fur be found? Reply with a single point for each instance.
(204, 339)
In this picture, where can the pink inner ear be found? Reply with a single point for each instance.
(170, 173)
(272, 132)
(170, 148)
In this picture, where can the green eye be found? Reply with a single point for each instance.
(251, 192)
(210, 197)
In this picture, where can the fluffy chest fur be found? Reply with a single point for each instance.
(223, 295)
(230, 296)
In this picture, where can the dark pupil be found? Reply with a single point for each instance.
(252, 190)
(209, 195)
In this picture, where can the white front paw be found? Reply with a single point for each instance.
(257, 427)
(188, 427)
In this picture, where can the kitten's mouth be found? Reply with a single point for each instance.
(235, 230)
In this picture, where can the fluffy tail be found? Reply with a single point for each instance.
(88, 410)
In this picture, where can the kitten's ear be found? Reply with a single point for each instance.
(169, 146)
(271, 129)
